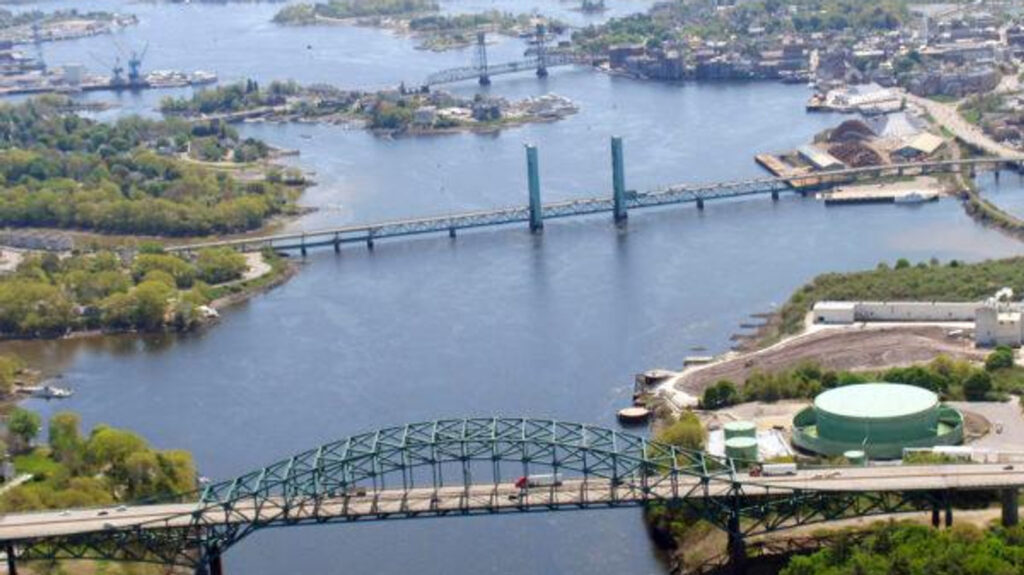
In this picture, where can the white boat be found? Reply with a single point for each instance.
(47, 391)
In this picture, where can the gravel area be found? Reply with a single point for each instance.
(847, 348)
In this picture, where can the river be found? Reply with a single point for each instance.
(495, 322)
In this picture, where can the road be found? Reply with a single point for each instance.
(948, 117)
(498, 498)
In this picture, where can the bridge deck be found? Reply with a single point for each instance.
(695, 193)
(505, 497)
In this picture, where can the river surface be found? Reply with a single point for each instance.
(497, 322)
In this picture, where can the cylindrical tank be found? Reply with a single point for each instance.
(744, 448)
(740, 429)
(856, 457)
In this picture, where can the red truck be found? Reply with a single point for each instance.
(548, 480)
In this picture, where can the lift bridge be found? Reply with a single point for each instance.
(619, 203)
(541, 60)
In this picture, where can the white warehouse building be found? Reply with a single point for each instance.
(997, 320)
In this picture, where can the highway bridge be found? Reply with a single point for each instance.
(618, 203)
(466, 467)
(540, 60)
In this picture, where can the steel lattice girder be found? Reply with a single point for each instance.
(637, 471)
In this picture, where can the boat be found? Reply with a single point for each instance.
(47, 391)
(915, 198)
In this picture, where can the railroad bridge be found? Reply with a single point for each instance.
(619, 203)
(467, 467)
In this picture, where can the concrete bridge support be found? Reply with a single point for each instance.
(775, 195)
(737, 547)
(618, 180)
(948, 502)
(700, 203)
(12, 567)
(337, 244)
(997, 173)
(1011, 513)
(533, 178)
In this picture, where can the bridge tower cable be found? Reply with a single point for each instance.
(533, 178)
(481, 58)
(618, 181)
(542, 52)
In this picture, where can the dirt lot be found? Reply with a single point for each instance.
(840, 349)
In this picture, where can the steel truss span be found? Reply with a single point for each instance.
(463, 467)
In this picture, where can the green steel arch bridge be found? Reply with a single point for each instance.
(467, 467)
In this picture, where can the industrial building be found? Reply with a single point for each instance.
(879, 419)
(997, 320)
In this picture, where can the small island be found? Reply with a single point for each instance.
(36, 26)
(386, 112)
(420, 19)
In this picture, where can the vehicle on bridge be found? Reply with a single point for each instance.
(544, 480)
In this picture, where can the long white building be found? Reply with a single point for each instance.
(997, 320)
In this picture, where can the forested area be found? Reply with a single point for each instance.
(106, 466)
(909, 549)
(135, 176)
(926, 281)
(307, 13)
(49, 296)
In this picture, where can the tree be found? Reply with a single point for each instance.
(151, 299)
(219, 265)
(977, 386)
(66, 440)
(721, 394)
(23, 426)
(1001, 358)
(686, 432)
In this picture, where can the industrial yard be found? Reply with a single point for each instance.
(856, 347)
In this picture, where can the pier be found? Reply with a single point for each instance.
(619, 202)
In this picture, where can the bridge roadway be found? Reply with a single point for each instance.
(480, 499)
(551, 60)
(676, 194)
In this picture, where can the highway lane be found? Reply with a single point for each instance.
(503, 497)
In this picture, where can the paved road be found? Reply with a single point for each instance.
(503, 497)
(948, 117)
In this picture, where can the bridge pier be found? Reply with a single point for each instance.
(451, 233)
(700, 203)
(935, 516)
(618, 181)
(948, 502)
(997, 173)
(369, 240)
(1011, 513)
(337, 244)
(12, 567)
(216, 567)
(533, 178)
(775, 195)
